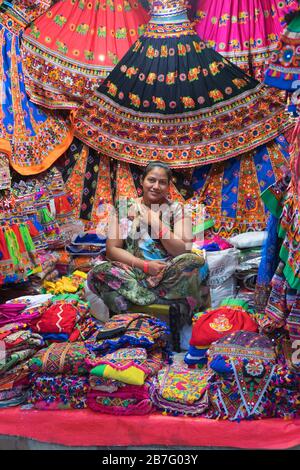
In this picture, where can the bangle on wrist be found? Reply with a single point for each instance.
(146, 267)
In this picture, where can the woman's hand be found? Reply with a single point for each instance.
(155, 267)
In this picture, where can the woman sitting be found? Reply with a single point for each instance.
(149, 251)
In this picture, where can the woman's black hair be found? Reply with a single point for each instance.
(152, 165)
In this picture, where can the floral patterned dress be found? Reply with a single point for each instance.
(31, 137)
(120, 286)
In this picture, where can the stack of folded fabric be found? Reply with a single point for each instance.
(64, 318)
(58, 392)
(85, 249)
(181, 391)
(18, 344)
(243, 364)
(14, 386)
(212, 243)
(130, 348)
(87, 244)
(250, 254)
(129, 330)
(127, 372)
(59, 377)
(214, 324)
(85, 263)
(30, 301)
(16, 312)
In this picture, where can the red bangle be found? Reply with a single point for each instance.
(146, 267)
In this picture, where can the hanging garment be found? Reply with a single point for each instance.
(173, 99)
(32, 137)
(18, 257)
(284, 67)
(4, 172)
(87, 177)
(295, 163)
(72, 48)
(95, 181)
(231, 190)
(243, 31)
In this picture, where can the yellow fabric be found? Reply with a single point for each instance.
(80, 274)
(131, 376)
(59, 287)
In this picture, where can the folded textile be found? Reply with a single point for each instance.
(83, 250)
(249, 239)
(18, 376)
(86, 263)
(57, 392)
(60, 315)
(55, 337)
(61, 358)
(88, 238)
(129, 365)
(196, 356)
(215, 243)
(130, 400)
(283, 394)
(79, 402)
(244, 363)
(31, 300)
(11, 359)
(9, 328)
(85, 328)
(14, 401)
(57, 318)
(131, 329)
(22, 339)
(13, 313)
(13, 393)
(104, 384)
(180, 390)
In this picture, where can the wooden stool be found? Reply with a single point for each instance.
(160, 309)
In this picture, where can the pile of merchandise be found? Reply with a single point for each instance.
(92, 92)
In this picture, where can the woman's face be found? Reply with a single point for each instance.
(155, 185)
